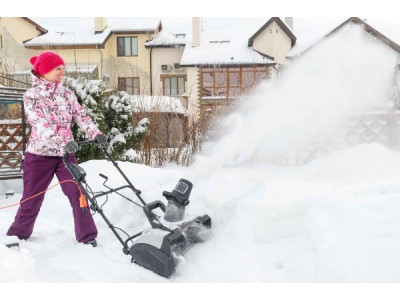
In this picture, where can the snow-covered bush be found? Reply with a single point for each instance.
(124, 137)
(90, 95)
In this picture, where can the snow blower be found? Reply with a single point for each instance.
(160, 246)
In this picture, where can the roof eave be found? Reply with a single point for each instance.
(38, 27)
(165, 46)
(64, 46)
(228, 65)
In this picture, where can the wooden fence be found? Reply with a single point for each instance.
(13, 132)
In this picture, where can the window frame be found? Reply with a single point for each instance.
(123, 87)
(254, 70)
(169, 77)
(131, 43)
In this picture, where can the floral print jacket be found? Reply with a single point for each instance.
(50, 109)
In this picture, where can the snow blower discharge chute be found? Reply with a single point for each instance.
(158, 247)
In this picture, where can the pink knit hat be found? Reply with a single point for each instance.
(45, 62)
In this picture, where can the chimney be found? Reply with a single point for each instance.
(289, 22)
(100, 23)
(196, 27)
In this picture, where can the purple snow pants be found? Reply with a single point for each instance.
(38, 173)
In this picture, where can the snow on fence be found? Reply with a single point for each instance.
(368, 127)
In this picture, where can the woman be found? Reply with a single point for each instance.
(50, 108)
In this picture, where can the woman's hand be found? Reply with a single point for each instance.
(72, 147)
(100, 139)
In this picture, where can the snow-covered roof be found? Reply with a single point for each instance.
(223, 48)
(166, 39)
(164, 104)
(311, 30)
(80, 31)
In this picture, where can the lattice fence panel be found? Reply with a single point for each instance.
(374, 127)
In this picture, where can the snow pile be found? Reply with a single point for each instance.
(16, 266)
(333, 220)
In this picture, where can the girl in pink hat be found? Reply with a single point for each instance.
(50, 108)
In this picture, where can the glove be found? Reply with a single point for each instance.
(72, 147)
(100, 139)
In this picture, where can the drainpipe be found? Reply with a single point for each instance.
(101, 62)
(151, 72)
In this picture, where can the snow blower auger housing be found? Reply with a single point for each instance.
(159, 246)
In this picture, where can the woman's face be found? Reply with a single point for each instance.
(55, 75)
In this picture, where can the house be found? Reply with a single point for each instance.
(13, 33)
(110, 49)
(210, 69)
(387, 33)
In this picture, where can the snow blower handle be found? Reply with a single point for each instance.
(73, 147)
(152, 217)
(100, 139)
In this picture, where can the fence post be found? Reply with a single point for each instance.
(393, 129)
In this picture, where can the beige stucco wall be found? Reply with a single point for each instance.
(193, 94)
(20, 29)
(14, 56)
(165, 56)
(273, 41)
(136, 66)
(81, 56)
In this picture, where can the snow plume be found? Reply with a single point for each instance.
(332, 220)
(349, 72)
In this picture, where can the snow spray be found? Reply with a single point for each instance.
(348, 72)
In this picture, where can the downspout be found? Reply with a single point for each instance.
(151, 63)
(151, 72)
(101, 62)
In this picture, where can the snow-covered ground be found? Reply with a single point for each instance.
(333, 220)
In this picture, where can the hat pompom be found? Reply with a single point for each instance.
(33, 60)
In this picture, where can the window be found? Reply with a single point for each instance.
(173, 85)
(129, 84)
(127, 46)
(230, 82)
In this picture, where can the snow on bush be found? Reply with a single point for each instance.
(90, 97)
(124, 137)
